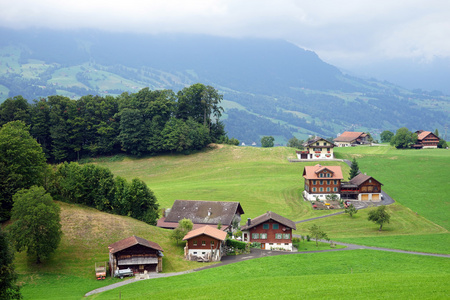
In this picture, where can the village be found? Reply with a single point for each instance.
(213, 222)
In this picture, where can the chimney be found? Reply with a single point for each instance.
(249, 221)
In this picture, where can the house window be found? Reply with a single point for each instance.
(212, 243)
(314, 182)
(266, 226)
(335, 182)
(255, 236)
(287, 244)
(328, 189)
(321, 189)
(278, 236)
(328, 182)
(370, 180)
(321, 182)
(195, 243)
(195, 252)
(203, 243)
(314, 189)
(203, 252)
(328, 175)
(275, 226)
(317, 144)
(286, 236)
(335, 189)
(263, 236)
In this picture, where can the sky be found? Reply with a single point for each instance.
(345, 33)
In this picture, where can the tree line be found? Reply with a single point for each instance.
(142, 123)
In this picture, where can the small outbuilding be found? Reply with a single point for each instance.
(137, 254)
(206, 243)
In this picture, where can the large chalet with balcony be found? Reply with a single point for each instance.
(426, 139)
(321, 181)
(273, 231)
(362, 187)
(317, 148)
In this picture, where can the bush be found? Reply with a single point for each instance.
(236, 244)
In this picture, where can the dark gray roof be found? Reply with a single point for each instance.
(360, 179)
(204, 212)
(269, 216)
(132, 241)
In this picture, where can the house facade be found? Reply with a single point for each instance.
(137, 254)
(351, 138)
(321, 181)
(426, 139)
(205, 244)
(317, 148)
(362, 187)
(273, 231)
(202, 213)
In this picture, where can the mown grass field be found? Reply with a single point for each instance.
(263, 179)
(359, 274)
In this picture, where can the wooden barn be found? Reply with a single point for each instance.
(138, 254)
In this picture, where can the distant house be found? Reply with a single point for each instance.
(426, 139)
(317, 148)
(202, 213)
(136, 253)
(350, 138)
(271, 230)
(321, 181)
(206, 243)
(362, 187)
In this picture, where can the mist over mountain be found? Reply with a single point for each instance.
(270, 87)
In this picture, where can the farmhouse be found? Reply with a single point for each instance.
(426, 139)
(361, 187)
(273, 231)
(321, 181)
(317, 148)
(136, 253)
(202, 213)
(205, 244)
(350, 138)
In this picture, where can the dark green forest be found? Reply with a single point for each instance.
(143, 123)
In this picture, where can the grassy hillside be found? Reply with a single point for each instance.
(359, 274)
(262, 179)
(69, 273)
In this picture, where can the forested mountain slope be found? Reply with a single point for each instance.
(270, 87)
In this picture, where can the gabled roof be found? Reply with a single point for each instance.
(204, 212)
(132, 241)
(361, 178)
(269, 216)
(206, 230)
(423, 134)
(315, 140)
(349, 136)
(312, 172)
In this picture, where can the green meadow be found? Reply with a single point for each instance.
(262, 179)
(359, 274)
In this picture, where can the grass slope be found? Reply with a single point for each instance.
(361, 274)
(69, 273)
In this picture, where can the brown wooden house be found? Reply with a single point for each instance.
(321, 181)
(362, 187)
(136, 253)
(206, 243)
(426, 139)
(273, 231)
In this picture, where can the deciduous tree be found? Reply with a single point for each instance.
(8, 276)
(379, 216)
(403, 138)
(386, 136)
(22, 163)
(36, 227)
(267, 141)
(295, 143)
(350, 210)
(317, 233)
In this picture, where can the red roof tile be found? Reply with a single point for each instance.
(349, 136)
(206, 230)
(312, 172)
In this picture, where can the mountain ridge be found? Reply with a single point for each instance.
(287, 90)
